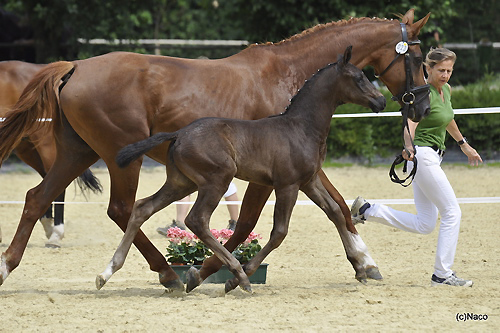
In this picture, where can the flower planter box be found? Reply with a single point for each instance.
(222, 274)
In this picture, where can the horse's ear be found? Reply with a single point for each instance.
(347, 54)
(419, 24)
(408, 17)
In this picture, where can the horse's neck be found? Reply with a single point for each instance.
(312, 108)
(304, 55)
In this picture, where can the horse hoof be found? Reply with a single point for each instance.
(193, 279)
(372, 272)
(48, 225)
(361, 277)
(53, 245)
(173, 286)
(99, 282)
(56, 236)
(231, 284)
(247, 288)
(4, 272)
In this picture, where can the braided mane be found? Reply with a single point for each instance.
(323, 26)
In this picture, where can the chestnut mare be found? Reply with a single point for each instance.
(117, 99)
(207, 154)
(39, 150)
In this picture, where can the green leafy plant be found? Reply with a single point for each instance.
(245, 252)
(186, 248)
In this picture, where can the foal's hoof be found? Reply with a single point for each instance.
(361, 277)
(100, 281)
(193, 279)
(372, 272)
(173, 286)
(230, 285)
(233, 283)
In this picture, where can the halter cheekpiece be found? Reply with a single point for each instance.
(407, 98)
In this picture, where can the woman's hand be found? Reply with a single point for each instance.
(472, 154)
(408, 154)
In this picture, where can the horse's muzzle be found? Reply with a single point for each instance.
(378, 104)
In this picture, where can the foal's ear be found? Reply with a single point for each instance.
(347, 54)
(342, 60)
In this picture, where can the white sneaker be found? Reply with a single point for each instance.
(358, 208)
(452, 280)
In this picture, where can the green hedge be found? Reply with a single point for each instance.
(382, 136)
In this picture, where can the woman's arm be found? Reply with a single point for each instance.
(472, 154)
(408, 141)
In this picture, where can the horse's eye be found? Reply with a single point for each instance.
(418, 60)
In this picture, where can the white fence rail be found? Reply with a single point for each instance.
(395, 114)
(381, 114)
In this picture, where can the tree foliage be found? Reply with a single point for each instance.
(58, 23)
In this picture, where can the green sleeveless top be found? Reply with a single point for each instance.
(431, 131)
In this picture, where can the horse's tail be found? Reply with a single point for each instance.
(130, 153)
(87, 181)
(39, 100)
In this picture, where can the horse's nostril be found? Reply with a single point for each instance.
(427, 112)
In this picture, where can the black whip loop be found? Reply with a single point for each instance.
(400, 159)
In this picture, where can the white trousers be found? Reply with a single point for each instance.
(432, 193)
(231, 189)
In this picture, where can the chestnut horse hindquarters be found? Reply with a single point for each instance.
(39, 100)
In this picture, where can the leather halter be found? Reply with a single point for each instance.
(407, 98)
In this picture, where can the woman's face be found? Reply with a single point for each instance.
(440, 74)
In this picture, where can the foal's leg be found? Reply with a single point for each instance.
(198, 221)
(356, 250)
(253, 202)
(285, 201)
(123, 189)
(142, 211)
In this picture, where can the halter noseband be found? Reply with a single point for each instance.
(408, 97)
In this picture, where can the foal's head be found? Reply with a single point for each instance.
(355, 86)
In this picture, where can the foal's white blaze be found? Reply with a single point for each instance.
(360, 250)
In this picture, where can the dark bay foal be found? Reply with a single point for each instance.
(284, 151)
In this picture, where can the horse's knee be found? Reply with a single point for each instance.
(194, 224)
(119, 211)
(33, 209)
(277, 236)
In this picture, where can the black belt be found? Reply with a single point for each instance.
(440, 152)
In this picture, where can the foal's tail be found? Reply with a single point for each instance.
(39, 100)
(130, 153)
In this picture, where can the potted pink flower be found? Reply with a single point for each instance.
(186, 249)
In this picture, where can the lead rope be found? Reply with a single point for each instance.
(399, 158)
